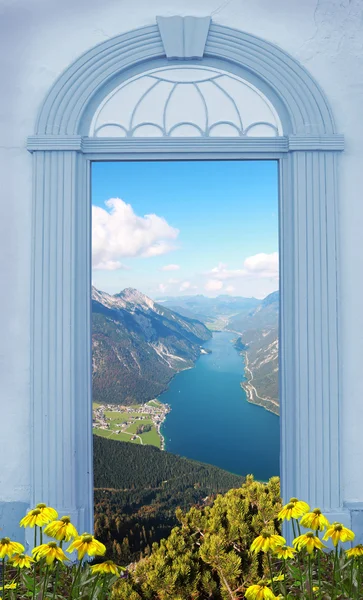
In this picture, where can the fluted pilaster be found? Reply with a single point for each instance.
(61, 458)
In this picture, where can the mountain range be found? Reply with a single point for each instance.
(138, 345)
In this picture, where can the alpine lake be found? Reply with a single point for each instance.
(212, 422)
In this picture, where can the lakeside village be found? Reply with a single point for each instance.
(140, 424)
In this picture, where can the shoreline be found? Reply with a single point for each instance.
(251, 393)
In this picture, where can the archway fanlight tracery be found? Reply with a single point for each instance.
(69, 136)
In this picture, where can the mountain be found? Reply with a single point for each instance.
(139, 488)
(259, 343)
(138, 345)
(211, 311)
(264, 315)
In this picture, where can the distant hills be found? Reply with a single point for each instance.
(138, 345)
(214, 312)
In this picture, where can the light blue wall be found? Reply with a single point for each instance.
(324, 36)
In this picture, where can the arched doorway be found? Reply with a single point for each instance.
(294, 126)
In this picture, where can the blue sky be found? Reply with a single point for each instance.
(212, 227)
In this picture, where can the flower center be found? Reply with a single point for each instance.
(290, 505)
(338, 527)
(21, 556)
(41, 505)
(309, 534)
(87, 539)
(266, 535)
(36, 511)
(294, 500)
(5, 540)
(52, 545)
(317, 511)
(66, 519)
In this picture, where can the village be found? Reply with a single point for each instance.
(137, 423)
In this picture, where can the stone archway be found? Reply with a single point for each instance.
(308, 154)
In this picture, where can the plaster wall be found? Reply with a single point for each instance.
(39, 39)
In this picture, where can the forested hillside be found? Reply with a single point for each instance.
(138, 346)
(138, 489)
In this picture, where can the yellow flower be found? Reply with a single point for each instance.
(106, 567)
(300, 504)
(86, 544)
(315, 520)
(356, 551)
(266, 542)
(50, 551)
(338, 533)
(259, 592)
(308, 541)
(34, 517)
(284, 552)
(9, 586)
(61, 530)
(293, 510)
(40, 515)
(47, 511)
(21, 560)
(279, 577)
(8, 548)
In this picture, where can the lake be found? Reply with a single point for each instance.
(211, 420)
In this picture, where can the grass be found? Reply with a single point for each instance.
(151, 438)
(111, 435)
(120, 417)
(132, 428)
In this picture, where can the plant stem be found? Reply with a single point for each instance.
(104, 587)
(351, 577)
(35, 579)
(94, 586)
(293, 528)
(298, 527)
(271, 575)
(319, 573)
(56, 579)
(310, 577)
(45, 580)
(3, 562)
(41, 534)
(285, 588)
(334, 571)
(35, 536)
(76, 577)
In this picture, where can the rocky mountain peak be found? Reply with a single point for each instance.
(132, 296)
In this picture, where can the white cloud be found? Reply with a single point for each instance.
(118, 233)
(185, 286)
(162, 288)
(170, 268)
(108, 265)
(172, 281)
(263, 265)
(213, 285)
(230, 289)
(258, 266)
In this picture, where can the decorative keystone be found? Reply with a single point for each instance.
(184, 37)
